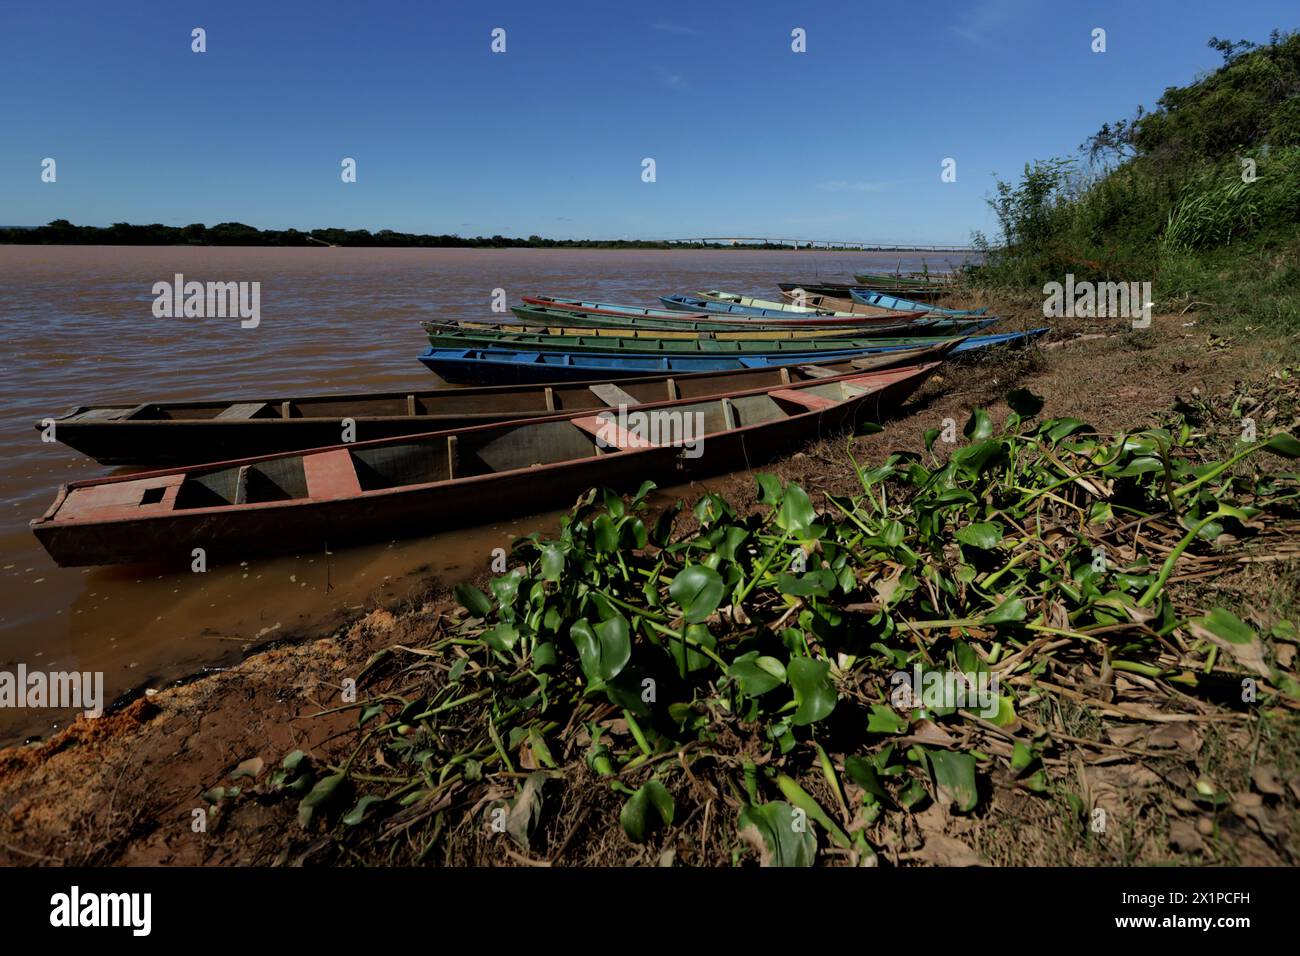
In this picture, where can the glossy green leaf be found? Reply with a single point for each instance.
(979, 426)
(756, 675)
(813, 691)
(864, 775)
(603, 650)
(319, 797)
(358, 813)
(650, 808)
(606, 534)
(474, 600)
(697, 591)
(802, 800)
(796, 513)
(781, 836)
(981, 534)
(886, 720)
(954, 777)
(1009, 611)
(974, 459)
(1284, 445)
(552, 562)
(769, 488)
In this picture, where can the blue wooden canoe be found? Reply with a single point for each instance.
(883, 300)
(502, 366)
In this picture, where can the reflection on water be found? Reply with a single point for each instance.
(78, 328)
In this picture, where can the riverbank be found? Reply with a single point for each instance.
(132, 788)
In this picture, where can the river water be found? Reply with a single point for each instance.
(78, 328)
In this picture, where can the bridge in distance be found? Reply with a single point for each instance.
(827, 244)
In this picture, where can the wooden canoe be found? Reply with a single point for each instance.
(547, 310)
(838, 290)
(819, 300)
(919, 282)
(326, 497)
(733, 306)
(929, 317)
(156, 434)
(886, 301)
(831, 297)
(453, 336)
(923, 326)
(698, 303)
(498, 366)
(768, 305)
(765, 305)
(632, 329)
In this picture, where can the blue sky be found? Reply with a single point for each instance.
(844, 141)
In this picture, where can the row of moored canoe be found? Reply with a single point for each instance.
(573, 394)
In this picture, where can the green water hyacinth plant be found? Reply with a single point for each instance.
(641, 651)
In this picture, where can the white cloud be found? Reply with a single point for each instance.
(981, 19)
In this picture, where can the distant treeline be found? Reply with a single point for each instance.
(62, 232)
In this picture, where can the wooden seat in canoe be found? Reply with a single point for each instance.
(612, 395)
(816, 371)
(242, 410)
(123, 499)
(608, 433)
(801, 396)
(331, 474)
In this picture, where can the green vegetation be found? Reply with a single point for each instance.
(1201, 196)
(637, 667)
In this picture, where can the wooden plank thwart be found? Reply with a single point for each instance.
(242, 410)
(122, 499)
(609, 432)
(816, 371)
(330, 474)
(804, 397)
(612, 395)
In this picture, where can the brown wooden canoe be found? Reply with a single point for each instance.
(156, 434)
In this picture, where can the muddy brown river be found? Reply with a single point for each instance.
(79, 327)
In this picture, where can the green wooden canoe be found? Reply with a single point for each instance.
(663, 320)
